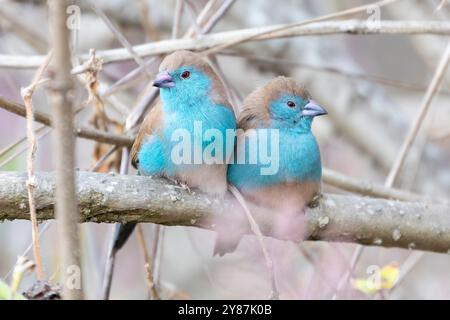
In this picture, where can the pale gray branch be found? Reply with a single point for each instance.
(116, 198)
(204, 42)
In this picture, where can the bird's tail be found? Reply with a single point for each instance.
(122, 232)
(226, 244)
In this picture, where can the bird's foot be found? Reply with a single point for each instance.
(183, 185)
(315, 201)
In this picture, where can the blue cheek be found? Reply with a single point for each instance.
(186, 91)
(281, 110)
(284, 116)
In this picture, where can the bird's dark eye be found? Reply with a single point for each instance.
(291, 104)
(185, 74)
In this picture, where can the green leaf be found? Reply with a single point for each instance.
(5, 292)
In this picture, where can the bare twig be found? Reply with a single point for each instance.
(133, 75)
(111, 258)
(66, 205)
(257, 232)
(367, 188)
(349, 27)
(159, 233)
(119, 36)
(217, 16)
(433, 88)
(390, 180)
(177, 18)
(333, 70)
(202, 17)
(441, 5)
(27, 94)
(339, 14)
(426, 103)
(23, 30)
(153, 293)
(82, 132)
(407, 266)
(44, 228)
(344, 279)
(190, 8)
(150, 31)
(25, 148)
(18, 143)
(105, 157)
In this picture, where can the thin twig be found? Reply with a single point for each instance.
(344, 279)
(202, 18)
(82, 132)
(119, 36)
(433, 88)
(191, 10)
(441, 5)
(339, 14)
(111, 259)
(133, 75)
(27, 94)
(153, 293)
(257, 232)
(217, 16)
(44, 227)
(157, 253)
(150, 31)
(205, 42)
(23, 30)
(177, 18)
(104, 157)
(411, 136)
(333, 70)
(17, 143)
(407, 266)
(45, 131)
(426, 103)
(367, 188)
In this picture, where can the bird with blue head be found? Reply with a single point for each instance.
(276, 119)
(192, 102)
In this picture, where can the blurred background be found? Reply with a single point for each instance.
(372, 86)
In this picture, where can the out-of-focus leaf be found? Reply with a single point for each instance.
(385, 278)
(365, 286)
(389, 275)
(23, 266)
(5, 292)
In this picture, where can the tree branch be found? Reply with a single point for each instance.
(82, 132)
(350, 27)
(116, 198)
(67, 215)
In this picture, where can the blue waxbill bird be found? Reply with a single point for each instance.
(282, 107)
(191, 94)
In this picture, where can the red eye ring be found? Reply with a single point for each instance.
(290, 104)
(186, 74)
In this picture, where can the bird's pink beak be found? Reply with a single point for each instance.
(313, 109)
(164, 80)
